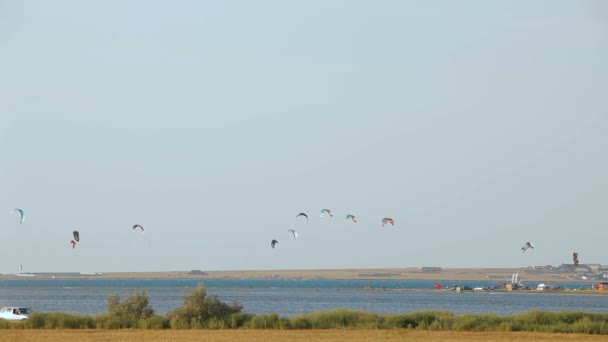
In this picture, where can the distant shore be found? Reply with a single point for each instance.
(446, 274)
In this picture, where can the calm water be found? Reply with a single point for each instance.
(289, 297)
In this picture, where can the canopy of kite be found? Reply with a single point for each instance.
(273, 243)
(73, 244)
(21, 214)
(303, 215)
(294, 233)
(138, 226)
(351, 218)
(326, 212)
(527, 246)
(388, 220)
(76, 235)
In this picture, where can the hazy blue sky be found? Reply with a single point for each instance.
(476, 125)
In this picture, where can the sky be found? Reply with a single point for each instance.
(476, 125)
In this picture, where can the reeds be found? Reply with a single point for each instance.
(533, 321)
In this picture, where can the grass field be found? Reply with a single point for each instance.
(281, 335)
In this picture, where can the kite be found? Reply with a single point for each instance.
(21, 214)
(388, 220)
(325, 212)
(303, 215)
(527, 246)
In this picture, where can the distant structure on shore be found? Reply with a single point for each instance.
(21, 274)
(584, 271)
(197, 272)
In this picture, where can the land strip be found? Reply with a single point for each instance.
(412, 273)
(281, 335)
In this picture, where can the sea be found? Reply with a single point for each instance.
(289, 297)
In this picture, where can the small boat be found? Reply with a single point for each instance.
(13, 313)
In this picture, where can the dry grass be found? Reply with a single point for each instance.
(280, 335)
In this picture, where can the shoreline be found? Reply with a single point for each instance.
(497, 275)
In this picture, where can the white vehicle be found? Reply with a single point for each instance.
(14, 313)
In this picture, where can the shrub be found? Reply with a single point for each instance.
(341, 318)
(401, 321)
(476, 322)
(199, 307)
(154, 322)
(238, 320)
(133, 308)
(272, 321)
(432, 320)
(58, 320)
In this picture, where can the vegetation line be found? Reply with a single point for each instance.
(203, 311)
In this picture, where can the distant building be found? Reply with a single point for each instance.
(431, 269)
(196, 272)
(543, 268)
(582, 269)
(574, 268)
(602, 286)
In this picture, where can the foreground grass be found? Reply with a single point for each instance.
(343, 319)
(281, 335)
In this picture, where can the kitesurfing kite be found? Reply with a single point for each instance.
(138, 226)
(73, 244)
(295, 234)
(21, 214)
(351, 218)
(438, 286)
(388, 220)
(303, 215)
(76, 235)
(527, 246)
(273, 243)
(326, 212)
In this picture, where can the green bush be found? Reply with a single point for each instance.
(35, 321)
(272, 321)
(154, 322)
(199, 307)
(300, 322)
(4, 324)
(341, 318)
(201, 311)
(432, 320)
(133, 308)
(111, 323)
(238, 320)
(58, 320)
(473, 322)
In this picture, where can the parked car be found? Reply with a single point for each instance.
(13, 313)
